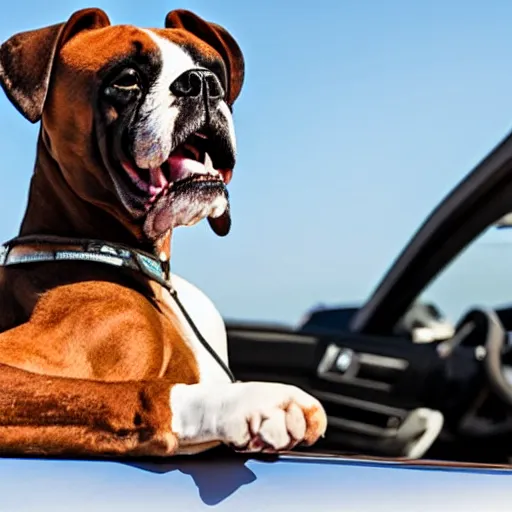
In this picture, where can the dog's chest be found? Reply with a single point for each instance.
(207, 320)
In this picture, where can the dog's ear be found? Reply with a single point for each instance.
(26, 60)
(219, 39)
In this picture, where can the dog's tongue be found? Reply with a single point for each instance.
(183, 167)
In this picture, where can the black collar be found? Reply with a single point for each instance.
(99, 251)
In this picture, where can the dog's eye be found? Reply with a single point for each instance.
(128, 79)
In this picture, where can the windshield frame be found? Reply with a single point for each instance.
(477, 202)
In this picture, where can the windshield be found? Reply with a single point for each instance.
(480, 276)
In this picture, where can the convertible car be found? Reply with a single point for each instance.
(420, 408)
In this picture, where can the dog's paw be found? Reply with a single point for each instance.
(270, 417)
(249, 416)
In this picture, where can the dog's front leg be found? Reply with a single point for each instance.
(63, 416)
(250, 416)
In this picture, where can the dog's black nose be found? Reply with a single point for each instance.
(198, 82)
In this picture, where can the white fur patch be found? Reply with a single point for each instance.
(158, 111)
(210, 324)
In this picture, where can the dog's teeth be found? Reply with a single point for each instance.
(208, 165)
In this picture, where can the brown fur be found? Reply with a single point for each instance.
(88, 354)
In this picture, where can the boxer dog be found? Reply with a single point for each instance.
(103, 352)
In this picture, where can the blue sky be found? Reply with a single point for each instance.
(355, 120)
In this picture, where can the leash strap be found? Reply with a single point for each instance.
(117, 255)
(206, 345)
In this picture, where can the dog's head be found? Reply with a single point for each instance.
(145, 115)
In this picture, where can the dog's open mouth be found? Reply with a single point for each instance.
(190, 185)
(200, 159)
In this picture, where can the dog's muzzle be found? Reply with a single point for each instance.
(174, 161)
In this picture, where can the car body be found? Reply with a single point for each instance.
(231, 483)
(401, 436)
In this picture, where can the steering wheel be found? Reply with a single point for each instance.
(481, 332)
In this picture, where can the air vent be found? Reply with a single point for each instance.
(342, 364)
(361, 416)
